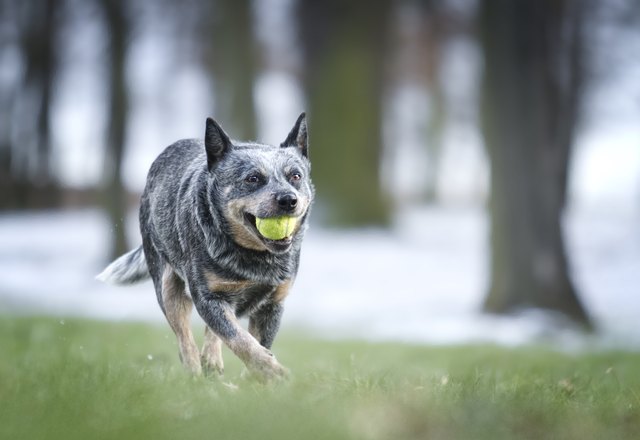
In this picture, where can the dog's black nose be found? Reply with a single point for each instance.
(287, 201)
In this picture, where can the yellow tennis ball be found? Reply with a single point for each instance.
(276, 228)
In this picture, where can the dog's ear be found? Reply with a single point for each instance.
(298, 136)
(216, 143)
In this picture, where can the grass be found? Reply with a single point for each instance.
(76, 379)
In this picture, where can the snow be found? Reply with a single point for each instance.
(422, 281)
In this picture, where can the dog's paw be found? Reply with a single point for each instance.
(266, 368)
(191, 364)
(211, 365)
(267, 376)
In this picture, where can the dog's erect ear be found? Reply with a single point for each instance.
(216, 143)
(298, 136)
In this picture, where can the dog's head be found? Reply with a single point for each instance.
(256, 183)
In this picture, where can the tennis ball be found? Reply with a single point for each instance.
(276, 228)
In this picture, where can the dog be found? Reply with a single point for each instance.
(201, 245)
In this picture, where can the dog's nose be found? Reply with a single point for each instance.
(287, 201)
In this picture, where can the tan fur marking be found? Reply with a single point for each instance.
(282, 290)
(217, 284)
(177, 307)
(235, 216)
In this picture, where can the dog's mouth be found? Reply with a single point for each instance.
(275, 235)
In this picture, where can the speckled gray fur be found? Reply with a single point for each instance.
(197, 217)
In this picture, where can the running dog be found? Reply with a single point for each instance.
(202, 244)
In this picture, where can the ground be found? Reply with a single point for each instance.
(93, 380)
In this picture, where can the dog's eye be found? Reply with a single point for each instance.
(253, 179)
(296, 177)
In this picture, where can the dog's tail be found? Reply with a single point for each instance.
(127, 269)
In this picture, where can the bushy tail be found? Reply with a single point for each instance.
(127, 269)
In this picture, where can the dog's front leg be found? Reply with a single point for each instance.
(220, 317)
(265, 322)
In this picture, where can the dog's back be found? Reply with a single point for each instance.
(173, 185)
(175, 161)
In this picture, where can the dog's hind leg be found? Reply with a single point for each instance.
(211, 356)
(177, 307)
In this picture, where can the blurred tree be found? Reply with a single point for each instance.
(433, 36)
(434, 40)
(27, 173)
(344, 61)
(533, 78)
(419, 34)
(229, 50)
(8, 97)
(115, 194)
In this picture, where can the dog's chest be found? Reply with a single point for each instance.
(250, 297)
(245, 296)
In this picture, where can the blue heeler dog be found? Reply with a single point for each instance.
(201, 245)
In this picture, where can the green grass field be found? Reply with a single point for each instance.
(78, 379)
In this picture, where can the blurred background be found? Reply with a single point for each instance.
(477, 162)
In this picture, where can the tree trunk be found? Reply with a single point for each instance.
(118, 108)
(433, 39)
(28, 179)
(531, 90)
(230, 56)
(46, 57)
(343, 45)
